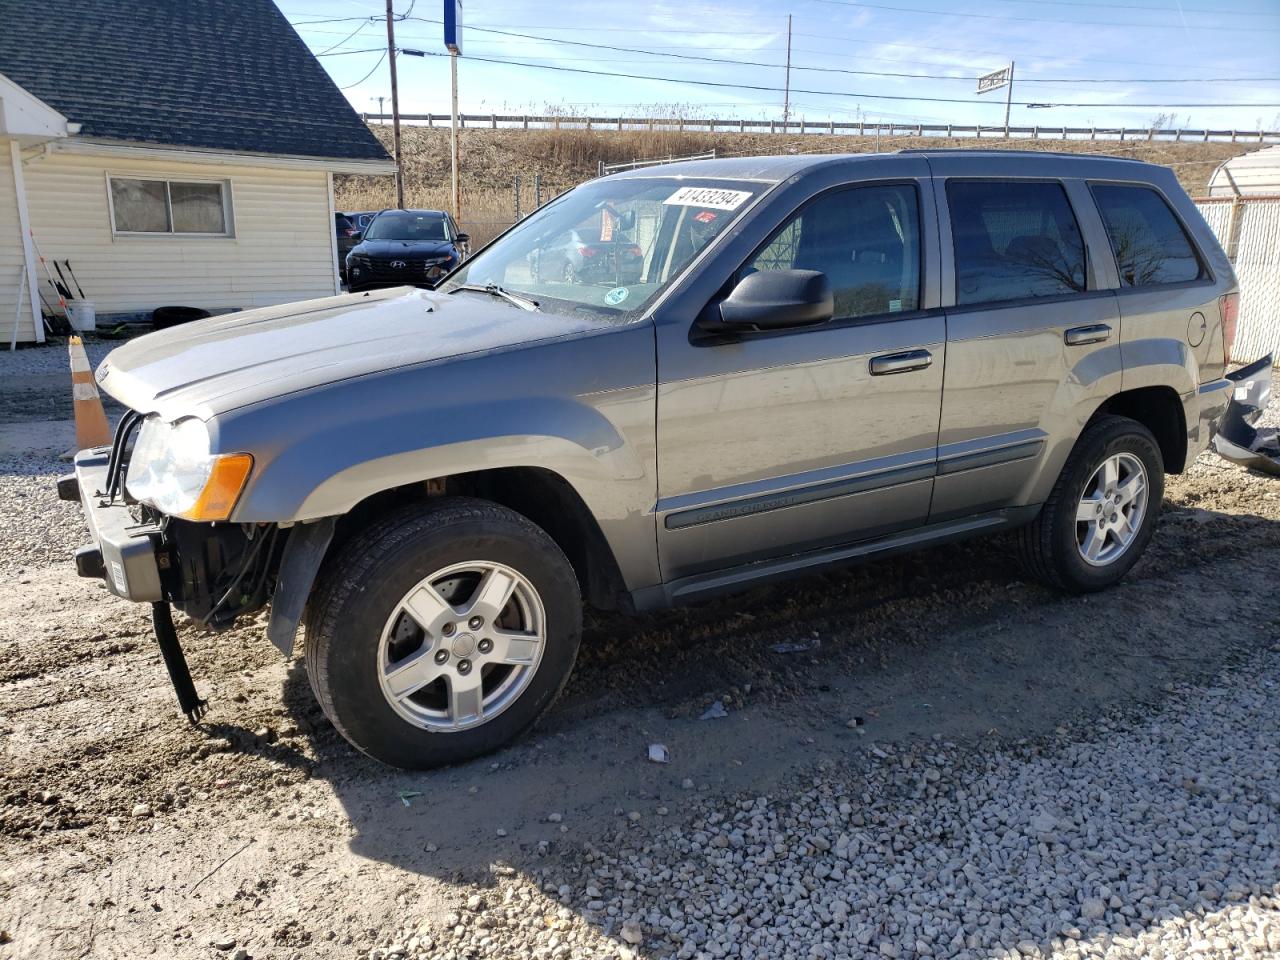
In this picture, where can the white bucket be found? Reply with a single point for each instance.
(83, 315)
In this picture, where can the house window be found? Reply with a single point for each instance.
(200, 208)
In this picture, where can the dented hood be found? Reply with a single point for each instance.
(210, 366)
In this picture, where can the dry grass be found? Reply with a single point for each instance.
(491, 159)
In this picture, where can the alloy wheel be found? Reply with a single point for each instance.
(1112, 509)
(461, 646)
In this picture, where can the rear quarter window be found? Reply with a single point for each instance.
(1149, 243)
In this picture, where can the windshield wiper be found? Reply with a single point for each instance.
(521, 301)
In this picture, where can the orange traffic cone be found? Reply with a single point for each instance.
(92, 429)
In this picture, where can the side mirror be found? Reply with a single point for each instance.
(775, 299)
(627, 221)
(357, 235)
(464, 238)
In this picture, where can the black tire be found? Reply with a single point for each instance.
(1048, 545)
(360, 588)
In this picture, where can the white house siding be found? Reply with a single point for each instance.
(281, 250)
(11, 261)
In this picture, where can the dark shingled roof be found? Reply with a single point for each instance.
(211, 74)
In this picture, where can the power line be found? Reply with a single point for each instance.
(863, 73)
(1128, 6)
(342, 53)
(818, 36)
(805, 50)
(535, 26)
(309, 23)
(1148, 9)
(367, 75)
(350, 36)
(844, 39)
(996, 16)
(829, 93)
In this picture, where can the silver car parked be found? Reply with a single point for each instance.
(817, 360)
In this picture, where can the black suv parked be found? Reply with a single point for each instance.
(399, 247)
(348, 236)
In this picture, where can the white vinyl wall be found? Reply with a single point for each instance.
(12, 262)
(1253, 243)
(279, 248)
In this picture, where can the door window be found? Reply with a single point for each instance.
(1013, 239)
(1150, 245)
(865, 239)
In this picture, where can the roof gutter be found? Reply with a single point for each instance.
(147, 151)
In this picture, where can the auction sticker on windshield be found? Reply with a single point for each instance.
(616, 296)
(713, 197)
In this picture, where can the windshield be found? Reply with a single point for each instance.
(610, 246)
(401, 225)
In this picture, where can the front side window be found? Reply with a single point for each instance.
(1149, 244)
(608, 247)
(1013, 239)
(865, 239)
(170, 206)
(406, 225)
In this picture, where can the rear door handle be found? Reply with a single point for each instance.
(1094, 333)
(900, 362)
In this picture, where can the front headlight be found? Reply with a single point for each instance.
(172, 470)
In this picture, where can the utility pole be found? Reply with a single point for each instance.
(380, 99)
(395, 103)
(1008, 101)
(453, 43)
(786, 95)
(453, 141)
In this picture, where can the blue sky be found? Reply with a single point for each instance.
(1130, 42)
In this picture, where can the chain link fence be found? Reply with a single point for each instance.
(1249, 230)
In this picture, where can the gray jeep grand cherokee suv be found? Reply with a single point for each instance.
(818, 360)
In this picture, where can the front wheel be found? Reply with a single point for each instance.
(442, 633)
(1102, 511)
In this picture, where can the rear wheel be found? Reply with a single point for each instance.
(1101, 513)
(442, 633)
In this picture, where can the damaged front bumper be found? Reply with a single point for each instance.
(1238, 438)
(191, 564)
(123, 551)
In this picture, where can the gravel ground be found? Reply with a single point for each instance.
(35, 526)
(50, 359)
(962, 764)
(1159, 838)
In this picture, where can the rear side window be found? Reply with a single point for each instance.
(1149, 243)
(865, 239)
(1013, 239)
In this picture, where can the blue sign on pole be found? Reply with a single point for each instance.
(453, 26)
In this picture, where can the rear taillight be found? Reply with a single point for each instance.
(1229, 305)
(636, 252)
(588, 251)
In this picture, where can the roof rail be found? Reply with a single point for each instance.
(1021, 153)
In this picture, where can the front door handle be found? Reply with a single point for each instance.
(1094, 333)
(900, 362)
